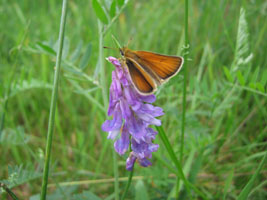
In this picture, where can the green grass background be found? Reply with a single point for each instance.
(225, 136)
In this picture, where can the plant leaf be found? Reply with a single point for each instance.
(18, 175)
(66, 48)
(240, 78)
(264, 77)
(140, 191)
(14, 136)
(260, 87)
(31, 84)
(255, 75)
(112, 10)
(228, 74)
(99, 11)
(86, 56)
(120, 2)
(228, 184)
(45, 48)
(75, 55)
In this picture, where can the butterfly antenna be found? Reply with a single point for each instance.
(129, 41)
(109, 48)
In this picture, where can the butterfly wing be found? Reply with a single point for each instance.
(162, 66)
(141, 80)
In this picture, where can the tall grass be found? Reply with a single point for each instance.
(53, 106)
(225, 129)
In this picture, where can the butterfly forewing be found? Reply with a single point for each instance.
(141, 80)
(162, 66)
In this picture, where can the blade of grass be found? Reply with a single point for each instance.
(54, 101)
(177, 164)
(192, 170)
(246, 190)
(228, 184)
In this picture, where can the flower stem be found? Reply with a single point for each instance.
(116, 174)
(105, 98)
(186, 48)
(53, 101)
(128, 184)
(129, 180)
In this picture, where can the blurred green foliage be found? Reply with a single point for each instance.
(225, 137)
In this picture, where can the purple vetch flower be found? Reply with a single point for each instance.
(132, 114)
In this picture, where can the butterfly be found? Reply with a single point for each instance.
(149, 70)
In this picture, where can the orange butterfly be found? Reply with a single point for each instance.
(149, 70)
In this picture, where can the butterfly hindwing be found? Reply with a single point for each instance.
(141, 80)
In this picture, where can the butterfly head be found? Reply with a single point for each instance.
(122, 51)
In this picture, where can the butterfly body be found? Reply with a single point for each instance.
(148, 70)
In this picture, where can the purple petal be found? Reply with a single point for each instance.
(148, 98)
(113, 134)
(131, 99)
(125, 109)
(139, 149)
(112, 100)
(144, 162)
(129, 96)
(150, 135)
(116, 85)
(114, 61)
(130, 162)
(115, 123)
(153, 147)
(122, 144)
(136, 127)
(111, 107)
(123, 78)
(153, 110)
(149, 119)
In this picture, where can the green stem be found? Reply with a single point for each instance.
(11, 194)
(53, 101)
(116, 174)
(186, 48)
(105, 99)
(129, 180)
(128, 184)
